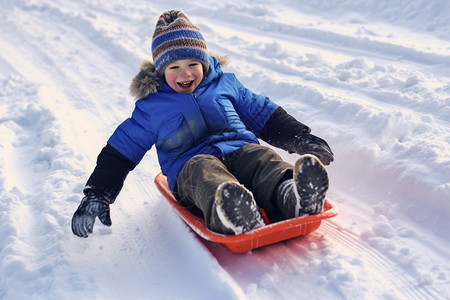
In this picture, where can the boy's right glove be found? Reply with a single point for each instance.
(101, 190)
(307, 143)
(93, 205)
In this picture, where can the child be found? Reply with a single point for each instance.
(205, 124)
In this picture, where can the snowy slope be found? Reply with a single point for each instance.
(371, 77)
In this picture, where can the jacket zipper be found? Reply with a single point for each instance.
(200, 111)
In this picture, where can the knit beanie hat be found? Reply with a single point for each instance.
(176, 38)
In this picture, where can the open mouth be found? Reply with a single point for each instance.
(185, 84)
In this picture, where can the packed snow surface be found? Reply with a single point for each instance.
(370, 77)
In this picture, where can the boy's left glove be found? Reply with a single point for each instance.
(306, 143)
(284, 131)
(91, 206)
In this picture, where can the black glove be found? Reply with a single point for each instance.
(306, 143)
(101, 190)
(284, 131)
(90, 207)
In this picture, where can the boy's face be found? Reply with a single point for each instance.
(184, 76)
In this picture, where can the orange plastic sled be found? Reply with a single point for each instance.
(269, 234)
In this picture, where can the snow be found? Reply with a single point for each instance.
(370, 77)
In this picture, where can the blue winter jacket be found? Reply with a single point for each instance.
(219, 118)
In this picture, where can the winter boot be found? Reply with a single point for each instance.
(235, 209)
(305, 193)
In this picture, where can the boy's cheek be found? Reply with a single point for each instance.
(170, 79)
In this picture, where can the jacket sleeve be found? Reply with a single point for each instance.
(134, 137)
(281, 129)
(109, 174)
(253, 109)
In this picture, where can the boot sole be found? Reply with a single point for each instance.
(236, 208)
(311, 180)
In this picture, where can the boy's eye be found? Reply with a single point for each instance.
(193, 64)
(174, 67)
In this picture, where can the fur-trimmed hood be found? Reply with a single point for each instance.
(148, 81)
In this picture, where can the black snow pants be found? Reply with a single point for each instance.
(259, 168)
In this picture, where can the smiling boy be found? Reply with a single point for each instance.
(205, 126)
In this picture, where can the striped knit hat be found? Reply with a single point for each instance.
(176, 38)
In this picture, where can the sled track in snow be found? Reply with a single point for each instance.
(378, 265)
(381, 273)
